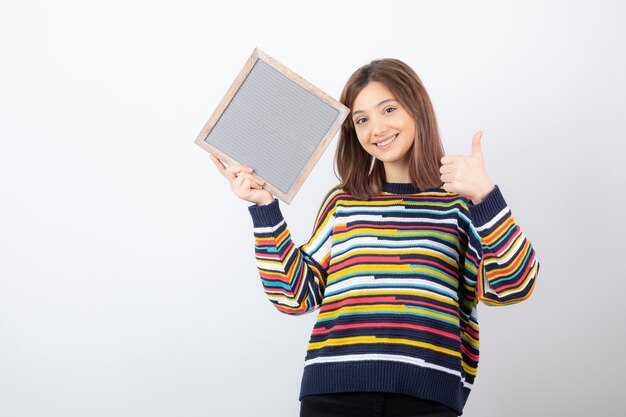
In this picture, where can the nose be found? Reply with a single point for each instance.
(379, 127)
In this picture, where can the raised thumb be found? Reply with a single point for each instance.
(476, 146)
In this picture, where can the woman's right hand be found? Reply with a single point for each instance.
(244, 183)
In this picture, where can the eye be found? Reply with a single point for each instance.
(358, 121)
(391, 109)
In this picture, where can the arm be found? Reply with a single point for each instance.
(500, 261)
(293, 278)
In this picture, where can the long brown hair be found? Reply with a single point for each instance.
(362, 175)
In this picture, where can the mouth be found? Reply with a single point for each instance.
(386, 142)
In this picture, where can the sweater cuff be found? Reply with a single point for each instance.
(487, 209)
(265, 216)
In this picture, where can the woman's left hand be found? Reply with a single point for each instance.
(467, 175)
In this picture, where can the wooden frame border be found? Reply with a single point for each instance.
(319, 150)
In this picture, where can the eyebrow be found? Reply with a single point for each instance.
(378, 105)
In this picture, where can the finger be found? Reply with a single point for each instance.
(237, 182)
(447, 178)
(245, 184)
(236, 170)
(253, 178)
(229, 172)
(254, 185)
(449, 159)
(446, 169)
(249, 184)
(220, 166)
(476, 146)
(448, 187)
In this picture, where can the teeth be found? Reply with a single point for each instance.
(386, 142)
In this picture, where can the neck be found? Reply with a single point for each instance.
(397, 172)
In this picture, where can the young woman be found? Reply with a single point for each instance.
(401, 252)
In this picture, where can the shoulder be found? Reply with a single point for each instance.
(335, 193)
(331, 197)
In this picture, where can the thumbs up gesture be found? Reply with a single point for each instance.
(467, 175)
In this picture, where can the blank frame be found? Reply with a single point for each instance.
(274, 121)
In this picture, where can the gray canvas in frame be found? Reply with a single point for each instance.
(280, 123)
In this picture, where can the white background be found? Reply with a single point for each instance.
(127, 279)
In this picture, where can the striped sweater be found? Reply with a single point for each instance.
(396, 280)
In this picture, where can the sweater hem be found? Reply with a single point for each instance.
(387, 377)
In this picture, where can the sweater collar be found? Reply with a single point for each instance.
(400, 188)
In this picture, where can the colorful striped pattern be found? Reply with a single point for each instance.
(396, 280)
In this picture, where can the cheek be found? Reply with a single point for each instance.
(361, 136)
(411, 133)
(363, 142)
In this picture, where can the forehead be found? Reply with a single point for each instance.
(372, 94)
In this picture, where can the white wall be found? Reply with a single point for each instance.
(127, 279)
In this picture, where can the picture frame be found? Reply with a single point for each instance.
(274, 121)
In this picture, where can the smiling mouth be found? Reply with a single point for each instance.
(387, 142)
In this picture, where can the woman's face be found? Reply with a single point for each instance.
(384, 128)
